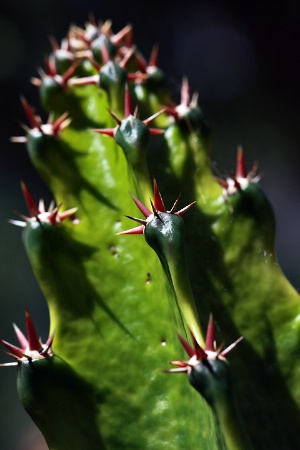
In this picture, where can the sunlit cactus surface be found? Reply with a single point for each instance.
(147, 258)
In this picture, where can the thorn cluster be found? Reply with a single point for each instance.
(157, 208)
(241, 178)
(52, 72)
(197, 354)
(51, 128)
(187, 102)
(129, 111)
(31, 347)
(38, 213)
(83, 42)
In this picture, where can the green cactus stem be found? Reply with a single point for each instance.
(209, 373)
(70, 313)
(115, 317)
(133, 135)
(164, 232)
(46, 386)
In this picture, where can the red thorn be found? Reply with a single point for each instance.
(54, 43)
(107, 131)
(85, 54)
(21, 337)
(156, 131)
(185, 92)
(153, 57)
(219, 350)
(188, 348)
(93, 79)
(126, 34)
(48, 344)
(210, 335)
(223, 183)
(172, 111)
(29, 111)
(144, 210)
(241, 171)
(128, 109)
(115, 117)
(154, 116)
(33, 340)
(237, 184)
(66, 214)
(50, 66)
(141, 221)
(136, 113)
(137, 76)
(141, 62)
(198, 351)
(60, 123)
(158, 201)
(18, 139)
(232, 346)
(36, 81)
(178, 363)
(185, 209)
(172, 210)
(177, 370)
(69, 72)
(52, 217)
(105, 54)
(127, 56)
(15, 351)
(136, 230)
(31, 204)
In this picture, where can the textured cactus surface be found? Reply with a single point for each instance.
(197, 269)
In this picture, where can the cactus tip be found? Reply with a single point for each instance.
(198, 354)
(38, 213)
(31, 346)
(241, 178)
(33, 340)
(158, 206)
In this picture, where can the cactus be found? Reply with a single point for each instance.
(123, 305)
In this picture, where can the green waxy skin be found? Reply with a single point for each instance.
(112, 79)
(76, 309)
(115, 318)
(133, 137)
(165, 234)
(46, 388)
(212, 379)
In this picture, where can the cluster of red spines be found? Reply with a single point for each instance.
(38, 213)
(79, 44)
(129, 111)
(77, 47)
(241, 178)
(158, 206)
(198, 354)
(31, 347)
(187, 102)
(50, 128)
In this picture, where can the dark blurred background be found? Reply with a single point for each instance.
(244, 60)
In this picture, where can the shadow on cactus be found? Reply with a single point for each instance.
(116, 305)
